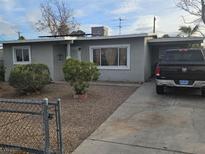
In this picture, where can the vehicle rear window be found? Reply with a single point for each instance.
(185, 56)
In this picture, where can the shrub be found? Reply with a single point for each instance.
(79, 74)
(2, 72)
(29, 78)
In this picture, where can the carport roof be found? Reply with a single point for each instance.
(176, 40)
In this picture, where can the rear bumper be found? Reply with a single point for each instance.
(171, 83)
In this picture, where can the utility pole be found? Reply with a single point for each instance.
(19, 35)
(154, 25)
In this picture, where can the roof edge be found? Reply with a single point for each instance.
(69, 38)
(175, 39)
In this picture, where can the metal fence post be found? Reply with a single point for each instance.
(59, 126)
(46, 126)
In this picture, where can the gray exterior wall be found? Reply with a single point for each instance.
(40, 53)
(45, 53)
(137, 59)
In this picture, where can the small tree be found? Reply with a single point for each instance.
(21, 38)
(79, 74)
(188, 31)
(166, 36)
(57, 17)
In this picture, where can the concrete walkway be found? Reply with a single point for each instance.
(101, 83)
(151, 124)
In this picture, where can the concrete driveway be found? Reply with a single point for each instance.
(151, 124)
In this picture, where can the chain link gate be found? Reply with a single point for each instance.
(30, 126)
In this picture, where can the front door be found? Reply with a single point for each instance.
(59, 53)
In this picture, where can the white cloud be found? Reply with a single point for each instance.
(127, 6)
(79, 13)
(170, 23)
(7, 4)
(140, 24)
(6, 28)
(167, 23)
(33, 16)
(10, 5)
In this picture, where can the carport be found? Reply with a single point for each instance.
(157, 46)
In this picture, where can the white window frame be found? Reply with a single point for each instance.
(14, 54)
(91, 48)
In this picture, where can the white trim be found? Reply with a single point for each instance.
(112, 46)
(14, 54)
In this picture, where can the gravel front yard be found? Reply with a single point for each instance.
(79, 118)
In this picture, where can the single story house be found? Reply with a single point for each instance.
(128, 58)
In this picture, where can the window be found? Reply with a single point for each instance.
(21, 55)
(111, 57)
(183, 56)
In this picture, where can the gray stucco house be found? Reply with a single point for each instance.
(129, 58)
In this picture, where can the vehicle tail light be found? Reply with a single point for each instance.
(183, 50)
(157, 71)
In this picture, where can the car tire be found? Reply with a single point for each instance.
(203, 92)
(160, 90)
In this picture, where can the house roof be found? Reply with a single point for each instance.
(69, 38)
(176, 39)
(38, 40)
(117, 36)
(151, 41)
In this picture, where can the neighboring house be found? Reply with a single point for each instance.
(129, 58)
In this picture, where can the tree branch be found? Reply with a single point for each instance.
(57, 17)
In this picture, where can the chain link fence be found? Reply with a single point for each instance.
(30, 126)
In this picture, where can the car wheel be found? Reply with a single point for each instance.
(203, 92)
(160, 90)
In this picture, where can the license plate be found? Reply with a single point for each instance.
(183, 82)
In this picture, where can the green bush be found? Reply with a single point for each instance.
(2, 72)
(79, 74)
(29, 78)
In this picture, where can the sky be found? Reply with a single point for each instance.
(21, 16)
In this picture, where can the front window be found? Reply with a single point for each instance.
(111, 56)
(21, 55)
